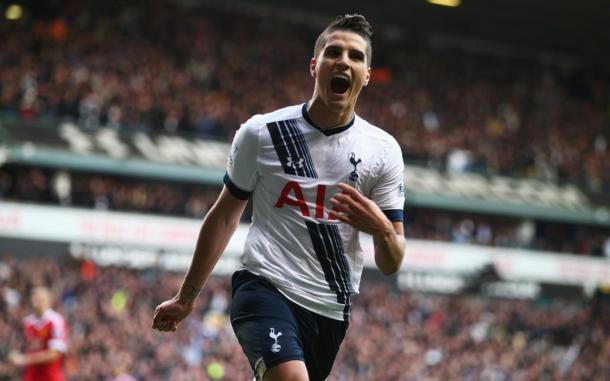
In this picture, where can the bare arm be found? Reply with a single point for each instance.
(41, 357)
(363, 214)
(217, 228)
(390, 248)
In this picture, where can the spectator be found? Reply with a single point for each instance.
(45, 334)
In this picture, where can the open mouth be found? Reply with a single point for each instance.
(339, 85)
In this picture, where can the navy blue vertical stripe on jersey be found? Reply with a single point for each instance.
(302, 144)
(337, 245)
(328, 247)
(334, 246)
(334, 238)
(348, 307)
(295, 159)
(321, 253)
(291, 149)
(296, 144)
(280, 147)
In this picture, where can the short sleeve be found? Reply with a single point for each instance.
(58, 340)
(389, 190)
(242, 164)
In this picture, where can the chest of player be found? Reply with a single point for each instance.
(303, 168)
(38, 335)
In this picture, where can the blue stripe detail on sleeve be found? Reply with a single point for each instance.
(394, 215)
(235, 191)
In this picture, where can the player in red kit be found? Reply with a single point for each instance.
(45, 334)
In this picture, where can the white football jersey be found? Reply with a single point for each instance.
(292, 169)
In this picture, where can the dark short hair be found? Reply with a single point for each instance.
(351, 22)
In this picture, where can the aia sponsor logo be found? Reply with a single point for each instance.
(292, 195)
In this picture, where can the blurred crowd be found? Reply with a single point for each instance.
(393, 335)
(507, 232)
(105, 192)
(159, 67)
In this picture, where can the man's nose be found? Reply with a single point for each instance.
(343, 59)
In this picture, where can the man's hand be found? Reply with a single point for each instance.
(352, 208)
(170, 313)
(16, 358)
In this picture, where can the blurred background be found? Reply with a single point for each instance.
(115, 124)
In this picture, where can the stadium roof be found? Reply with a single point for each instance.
(560, 31)
(557, 30)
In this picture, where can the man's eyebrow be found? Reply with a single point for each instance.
(338, 46)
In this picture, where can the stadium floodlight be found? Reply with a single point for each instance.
(13, 12)
(446, 3)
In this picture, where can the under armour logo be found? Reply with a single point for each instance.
(295, 164)
(353, 176)
(275, 348)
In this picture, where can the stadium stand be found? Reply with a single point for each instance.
(114, 193)
(393, 335)
(447, 109)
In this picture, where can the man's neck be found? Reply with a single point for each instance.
(324, 118)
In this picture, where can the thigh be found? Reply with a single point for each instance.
(321, 350)
(264, 324)
(290, 370)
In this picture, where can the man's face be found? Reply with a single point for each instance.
(41, 299)
(341, 69)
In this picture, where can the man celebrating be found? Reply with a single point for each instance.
(318, 175)
(45, 341)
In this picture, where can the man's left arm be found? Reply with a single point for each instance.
(360, 212)
(40, 357)
(390, 249)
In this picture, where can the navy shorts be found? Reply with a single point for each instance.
(271, 329)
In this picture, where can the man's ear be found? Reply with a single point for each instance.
(312, 67)
(368, 76)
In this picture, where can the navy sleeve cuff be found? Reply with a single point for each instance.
(394, 215)
(235, 191)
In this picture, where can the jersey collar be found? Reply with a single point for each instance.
(327, 131)
(38, 320)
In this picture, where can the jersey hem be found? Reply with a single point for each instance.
(334, 314)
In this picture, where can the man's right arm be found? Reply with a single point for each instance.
(217, 228)
(35, 358)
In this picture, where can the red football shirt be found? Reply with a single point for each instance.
(46, 332)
